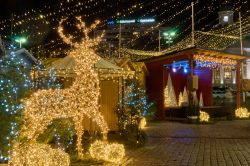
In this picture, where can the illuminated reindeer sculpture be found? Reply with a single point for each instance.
(76, 102)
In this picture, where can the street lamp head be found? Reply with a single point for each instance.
(172, 33)
(23, 40)
(165, 34)
(20, 40)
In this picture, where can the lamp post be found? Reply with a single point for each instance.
(20, 41)
(169, 37)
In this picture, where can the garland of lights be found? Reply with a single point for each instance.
(64, 8)
(214, 62)
(218, 43)
(76, 102)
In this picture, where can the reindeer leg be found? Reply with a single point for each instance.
(79, 134)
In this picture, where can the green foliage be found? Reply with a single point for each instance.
(131, 109)
(60, 133)
(15, 84)
(134, 104)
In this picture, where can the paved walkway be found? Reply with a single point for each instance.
(225, 143)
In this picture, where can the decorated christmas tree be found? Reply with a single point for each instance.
(180, 99)
(15, 84)
(169, 94)
(135, 102)
(185, 97)
(201, 102)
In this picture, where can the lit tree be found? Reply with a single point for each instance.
(201, 102)
(169, 94)
(15, 83)
(185, 97)
(135, 105)
(180, 99)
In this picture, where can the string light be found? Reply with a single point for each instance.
(73, 7)
(214, 62)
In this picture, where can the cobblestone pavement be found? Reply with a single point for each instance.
(225, 143)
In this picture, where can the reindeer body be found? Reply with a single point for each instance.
(76, 102)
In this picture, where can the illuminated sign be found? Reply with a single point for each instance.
(131, 21)
(149, 20)
(125, 21)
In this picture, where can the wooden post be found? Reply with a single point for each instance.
(238, 85)
(193, 39)
(191, 74)
(159, 41)
(191, 64)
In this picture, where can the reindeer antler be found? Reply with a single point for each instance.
(66, 39)
(82, 27)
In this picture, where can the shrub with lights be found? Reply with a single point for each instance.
(204, 117)
(108, 152)
(242, 113)
(36, 154)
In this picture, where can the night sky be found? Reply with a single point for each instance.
(206, 14)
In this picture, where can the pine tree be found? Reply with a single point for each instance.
(135, 104)
(169, 94)
(15, 84)
(185, 97)
(201, 103)
(180, 99)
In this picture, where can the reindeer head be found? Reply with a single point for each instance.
(83, 51)
(86, 42)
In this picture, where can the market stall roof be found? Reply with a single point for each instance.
(66, 67)
(200, 51)
(68, 63)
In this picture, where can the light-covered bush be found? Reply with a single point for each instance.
(204, 117)
(112, 152)
(242, 113)
(36, 154)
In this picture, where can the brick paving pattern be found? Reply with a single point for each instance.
(226, 143)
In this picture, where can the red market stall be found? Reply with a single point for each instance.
(183, 64)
